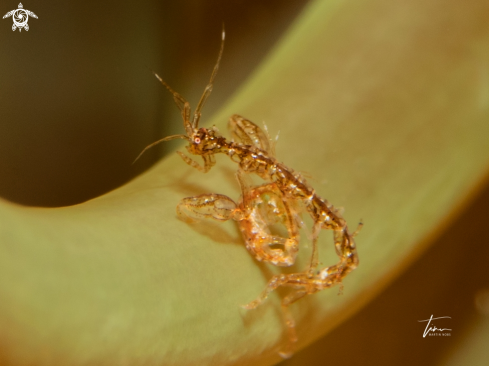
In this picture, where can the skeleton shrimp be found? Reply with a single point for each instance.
(254, 155)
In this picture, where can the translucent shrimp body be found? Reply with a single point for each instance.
(260, 207)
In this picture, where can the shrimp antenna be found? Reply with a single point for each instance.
(181, 103)
(184, 106)
(208, 88)
(168, 138)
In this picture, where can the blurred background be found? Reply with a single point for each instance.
(450, 279)
(78, 102)
(78, 97)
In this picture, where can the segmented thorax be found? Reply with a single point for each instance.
(251, 159)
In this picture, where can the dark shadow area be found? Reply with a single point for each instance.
(215, 231)
(443, 282)
(78, 98)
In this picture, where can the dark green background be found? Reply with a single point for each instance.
(78, 100)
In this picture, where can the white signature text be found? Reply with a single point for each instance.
(434, 329)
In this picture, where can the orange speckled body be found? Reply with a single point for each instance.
(261, 207)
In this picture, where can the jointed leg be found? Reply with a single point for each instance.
(306, 284)
(209, 162)
(357, 230)
(316, 229)
(290, 322)
(285, 280)
(346, 248)
(274, 283)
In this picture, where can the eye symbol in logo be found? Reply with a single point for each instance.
(20, 17)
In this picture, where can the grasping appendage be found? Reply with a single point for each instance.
(258, 209)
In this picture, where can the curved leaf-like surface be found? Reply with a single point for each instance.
(385, 104)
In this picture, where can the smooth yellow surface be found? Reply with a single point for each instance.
(386, 105)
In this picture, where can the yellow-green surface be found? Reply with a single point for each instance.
(385, 104)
